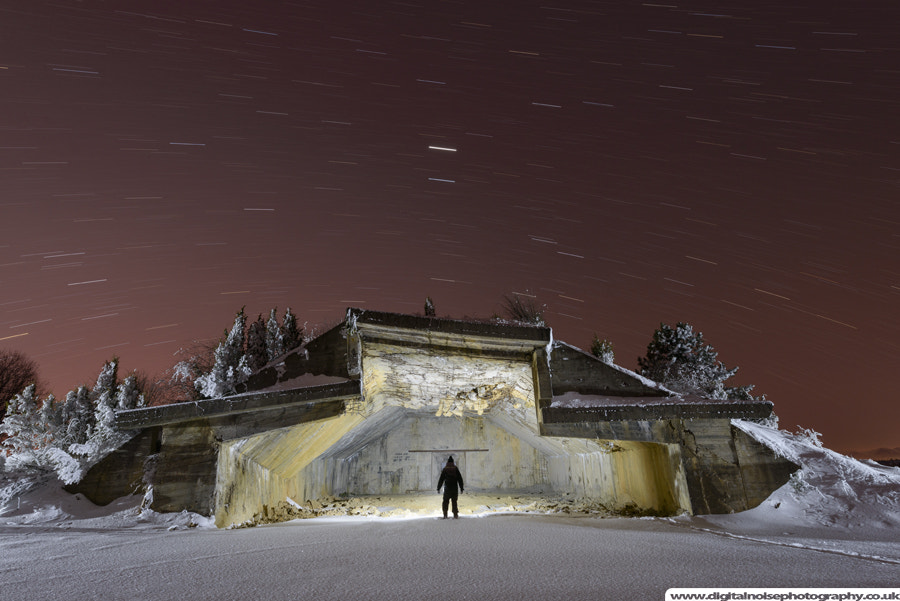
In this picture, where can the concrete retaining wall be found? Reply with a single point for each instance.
(398, 451)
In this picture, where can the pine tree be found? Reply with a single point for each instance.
(103, 395)
(22, 422)
(51, 416)
(291, 334)
(681, 360)
(257, 353)
(29, 441)
(128, 395)
(429, 307)
(230, 367)
(602, 349)
(67, 438)
(274, 337)
(103, 437)
(80, 412)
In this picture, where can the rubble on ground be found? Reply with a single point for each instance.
(394, 506)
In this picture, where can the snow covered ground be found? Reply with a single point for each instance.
(836, 524)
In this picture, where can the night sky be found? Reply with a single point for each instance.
(734, 165)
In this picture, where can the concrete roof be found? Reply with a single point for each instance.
(445, 325)
(574, 407)
(242, 403)
(295, 380)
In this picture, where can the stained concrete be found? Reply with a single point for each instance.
(398, 451)
(404, 392)
(420, 405)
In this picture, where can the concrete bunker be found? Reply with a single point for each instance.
(375, 405)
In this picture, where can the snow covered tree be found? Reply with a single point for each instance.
(67, 438)
(681, 360)
(257, 353)
(79, 415)
(180, 383)
(232, 363)
(30, 442)
(291, 334)
(22, 423)
(274, 337)
(108, 395)
(129, 394)
(230, 367)
(602, 349)
(103, 395)
(51, 416)
(429, 307)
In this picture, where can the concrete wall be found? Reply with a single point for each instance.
(401, 456)
(762, 471)
(123, 471)
(185, 468)
(324, 355)
(723, 469)
(393, 452)
(419, 405)
(446, 383)
(427, 391)
(576, 370)
(399, 451)
(263, 469)
(623, 476)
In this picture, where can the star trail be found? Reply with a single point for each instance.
(735, 166)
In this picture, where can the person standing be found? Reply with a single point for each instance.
(452, 482)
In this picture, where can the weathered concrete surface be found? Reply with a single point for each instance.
(421, 404)
(445, 383)
(326, 354)
(263, 470)
(188, 466)
(398, 451)
(644, 430)
(637, 412)
(574, 369)
(762, 470)
(724, 470)
(232, 405)
(122, 472)
(185, 469)
(403, 392)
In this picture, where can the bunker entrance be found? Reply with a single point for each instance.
(393, 453)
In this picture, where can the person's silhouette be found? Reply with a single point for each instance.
(452, 482)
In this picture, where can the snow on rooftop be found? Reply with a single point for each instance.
(577, 400)
(301, 381)
(623, 370)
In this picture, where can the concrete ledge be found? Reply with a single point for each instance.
(658, 431)
(362, 317)
(660, 411)
(210, 408)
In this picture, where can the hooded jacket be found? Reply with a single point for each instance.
(450, 479)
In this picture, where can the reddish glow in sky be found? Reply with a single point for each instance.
(737, 167)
